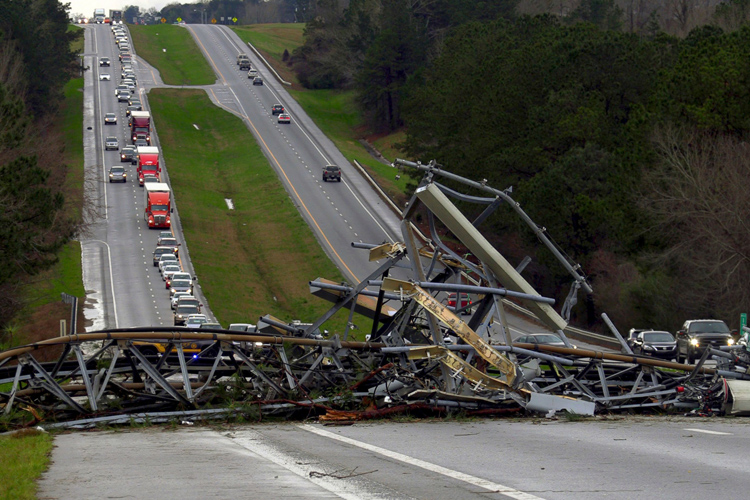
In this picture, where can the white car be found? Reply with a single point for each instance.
(167, 259)
(195, 320)
(169, 270)
(104, 77)
(177, 296)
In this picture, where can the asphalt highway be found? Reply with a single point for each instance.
(338, 212)
(528, 460)
(124, 288)
(616, 458)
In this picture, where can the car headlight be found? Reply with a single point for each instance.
(648, 348)
(694, 342)
(730, 341)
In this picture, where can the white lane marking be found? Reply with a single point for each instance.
(473, 480)
(322, 155)
(715, 433)
(111, 278)
(342, 488)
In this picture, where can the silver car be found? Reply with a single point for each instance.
(117, 174)
(111, 143)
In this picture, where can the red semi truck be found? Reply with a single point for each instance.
(148, 162)
(140, 124)
(158, 204)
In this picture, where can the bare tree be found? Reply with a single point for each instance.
(698, 195)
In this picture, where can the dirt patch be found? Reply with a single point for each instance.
(44, 323)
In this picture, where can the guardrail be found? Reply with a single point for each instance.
(268, 65)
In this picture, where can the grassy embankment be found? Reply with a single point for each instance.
(26, 455)
(23, 457)
(40, 318)
(182, 63)
(257, 258)
(335, 112)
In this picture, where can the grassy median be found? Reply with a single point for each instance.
(257, 258)
(24, 457)
(172, 50)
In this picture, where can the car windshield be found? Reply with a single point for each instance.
(333, 169)
(548, 339)
(159, 208)
(180, 284)
(709, 327)
(658, 337)
(189, 301)
(117, 170)
(187, 309)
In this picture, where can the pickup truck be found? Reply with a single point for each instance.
(331, 173)
(697, 335)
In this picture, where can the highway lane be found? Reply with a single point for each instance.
(533, 459)
(339, 213)
(127, 289)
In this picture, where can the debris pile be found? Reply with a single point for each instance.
(431, 349)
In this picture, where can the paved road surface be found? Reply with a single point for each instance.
(637, 458)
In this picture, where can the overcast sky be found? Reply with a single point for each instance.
(86, 7)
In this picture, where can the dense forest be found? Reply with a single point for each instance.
(35, 63)
(620, 124)
(627, 143)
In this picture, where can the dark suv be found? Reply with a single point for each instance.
(277, 109)
(331, 173)
(698, 334)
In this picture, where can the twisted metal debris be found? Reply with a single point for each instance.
(421, 355)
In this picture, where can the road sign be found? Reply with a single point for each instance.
(234, 19)
(179, 19)
(213, 21)
(163, 20)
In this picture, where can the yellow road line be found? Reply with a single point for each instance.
(299, 198)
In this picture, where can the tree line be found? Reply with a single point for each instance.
(35, 63)
(627, 145)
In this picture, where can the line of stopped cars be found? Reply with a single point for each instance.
(125, 92)
(330, 172)
(691, 341)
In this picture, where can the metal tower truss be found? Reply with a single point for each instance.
(422, 354)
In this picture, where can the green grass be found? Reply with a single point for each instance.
(71, 113)
(337, 115)
(66, 275)
(273, 39)
(77, 46)
(335, 112)
(257, 258)
(182, 64)
(23, 460)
